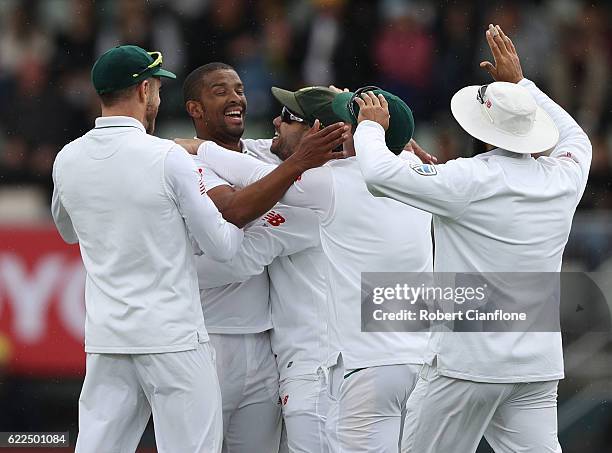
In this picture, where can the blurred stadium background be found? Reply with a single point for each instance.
(422, 50)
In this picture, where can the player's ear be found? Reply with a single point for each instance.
(143, 89)
(194, 108)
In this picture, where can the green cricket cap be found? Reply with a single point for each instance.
(124, 66)
(310, 103)
(401, 121)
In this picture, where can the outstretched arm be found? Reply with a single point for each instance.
(281, 232)
(443, 190)
(263, 185)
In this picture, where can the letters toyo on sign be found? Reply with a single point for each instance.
(42, 305)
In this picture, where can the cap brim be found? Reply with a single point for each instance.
(467, 111)
(340, 107)
(287, 98)
(159, 72)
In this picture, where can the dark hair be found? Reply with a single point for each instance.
(114, 97)
(192, 87)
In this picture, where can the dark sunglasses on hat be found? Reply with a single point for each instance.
(480, 97)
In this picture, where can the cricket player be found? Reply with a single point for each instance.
(287, 240)
(132, 203)
(501, 211)
(238, 312)
(371, 374)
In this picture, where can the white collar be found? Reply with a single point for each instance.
(503, 152)
(104, 122)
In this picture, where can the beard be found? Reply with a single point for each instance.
(279, 149)
(150, 116)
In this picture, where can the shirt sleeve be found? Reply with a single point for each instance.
(313, 189)
(279, 233)
(214, 236)
(62, 220)
(573, 151)
(209, 178)
(444, 189)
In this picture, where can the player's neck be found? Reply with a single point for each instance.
(124, 110)
(231, 143)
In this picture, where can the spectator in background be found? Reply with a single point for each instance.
(579, 74)
(131, 23)
(32, 114)
(75, 50)
(599, 194)
(209, 37)
(23, 40)
(326, 50)
(404, 54)
(323, 39)
(455, 50)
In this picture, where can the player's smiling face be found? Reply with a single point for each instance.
(287, 136)
(224, 103)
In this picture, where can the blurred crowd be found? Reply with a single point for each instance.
(421, 50)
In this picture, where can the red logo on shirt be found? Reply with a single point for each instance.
(274, 218)
(488, 104)
(202, 188)
(285, 399)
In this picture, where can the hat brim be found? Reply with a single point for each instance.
(287, 98)
(159, 72)
(340, 107)
(467, 111)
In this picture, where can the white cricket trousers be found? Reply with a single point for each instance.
(367, 407)
(121, 390)
(448, 415)
(249, 387)
(305, 403)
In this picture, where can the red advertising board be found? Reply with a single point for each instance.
(42, 307)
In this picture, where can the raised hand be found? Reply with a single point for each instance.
(373, 108)
(317, 146)
(507, 66)
(425, 157)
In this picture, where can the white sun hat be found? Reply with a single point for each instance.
(505, 115)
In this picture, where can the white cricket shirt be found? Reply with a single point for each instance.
(286, 240)
(359, 233)
(237, 307)
(132, 203)
(496, 212)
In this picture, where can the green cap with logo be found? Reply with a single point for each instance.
(401, 121)
(310, 103)
(124, 66)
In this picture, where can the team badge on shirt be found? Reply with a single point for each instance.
(424, 169)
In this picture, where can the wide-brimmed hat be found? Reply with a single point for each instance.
(505, 115)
